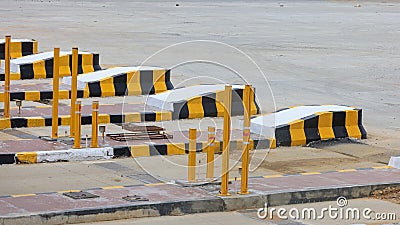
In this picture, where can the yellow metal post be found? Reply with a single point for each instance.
(95, 125)
(7, 77)
(210, 152)
(226, 140)
(247, 99)
(77, 132)
(56, 71)
(192, 155)
(74, 84)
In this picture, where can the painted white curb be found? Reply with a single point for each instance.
(75, 154)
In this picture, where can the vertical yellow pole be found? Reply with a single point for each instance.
(246, 139)
(226, 140)
(77, 132)
(192, 155)
(74, 83)
(210, 152)
(7, 77)
(56, 71)
(95, 125)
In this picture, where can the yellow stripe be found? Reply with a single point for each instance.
(219, 99)
(63, 94)
(65, 120)
(39, 70)
(140, 150)
(104, 118)
(112, 187)
(64, 66)
(273, 143)
(352, 124)
(15, 76)
(15, 50)
(133, 83)
(273, 176)
(35, 47)
(310, 173)
(297, 133)
(107, 87)
(382, 167)
(175, 149)
(27, 157)
(163, 115)
(87, 63)
(5, 123)
(159, 81)
(32, 95)
(132, 118)
(154, 184)
(35, 122)
(325, 125)
(195, 107)
(348, 170)
(23, 195)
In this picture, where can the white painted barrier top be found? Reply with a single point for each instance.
(2, 41)
(14, 63)
(102, 74)
(166, 99)
(265, 124)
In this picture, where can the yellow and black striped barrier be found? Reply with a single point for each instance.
(210, 105)
(183, 148)
(40, 66)
(321, 126)
(135, 117)
(19, 48)
(39, 95)
(132, 82)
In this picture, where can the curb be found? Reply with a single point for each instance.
(122, 151)
(43, 121)
(210, 204)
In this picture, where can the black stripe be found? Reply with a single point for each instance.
(26, 71)
(122, 151)
(94, 89)
(46, 95)
(181, 110)
(282, 135)
(146, 82)
(118, 118)
(161, 149)
(48, 121)
(3, 51)
(7, 158)
(148, 116)
(2, 76)
(48, 65)
(80, 68)
(339, 124)
(311, 128)
(17, 96)
(209, 106)
(360, 125)
(19, 122)
(262, 144)
(27, 48)
(120, 86)
(86, 119)
(96, 62)
(168, 82)
(79, 94)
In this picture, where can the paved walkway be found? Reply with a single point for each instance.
(170, 199)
